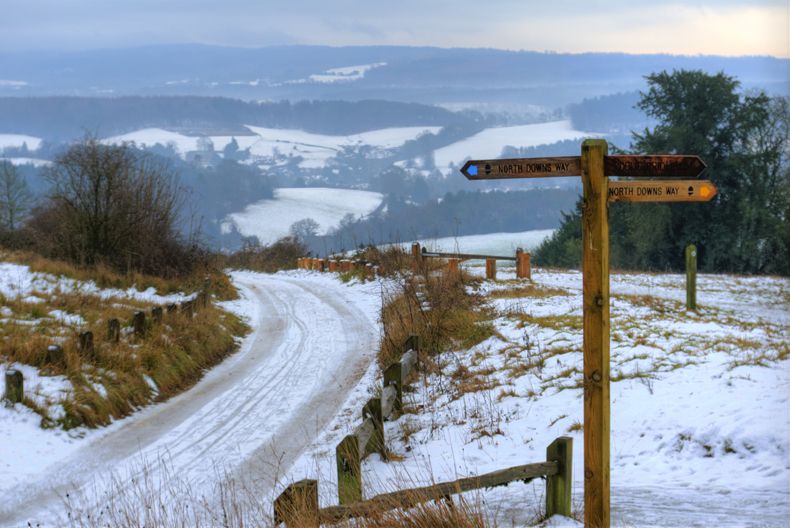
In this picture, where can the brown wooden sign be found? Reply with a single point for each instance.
(654, 166)
(500, 169)
(661, 191)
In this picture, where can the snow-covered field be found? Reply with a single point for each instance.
(700, 403)
(504, 244)
(28, 161)
(270, 220)
(17, 140)
(488, 143)
(316, 149)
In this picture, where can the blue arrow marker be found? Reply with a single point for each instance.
(472, 170)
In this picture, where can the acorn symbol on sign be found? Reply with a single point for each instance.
(488, 168)
(691, 190)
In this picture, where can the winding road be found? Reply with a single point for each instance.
(253, 414)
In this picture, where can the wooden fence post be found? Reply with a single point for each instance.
(558, 487)
(523, 270)
(55, 355)
(86, 345)
(113, 330)
(138, 322)
(691, 277)
(14, 386)
(372, 410)
(491, 269)
(595, 342)
(393, 378)
(297, 505)
(452, 266)
(187, 308)
(156, 314)
(416, 255)
(349, 470)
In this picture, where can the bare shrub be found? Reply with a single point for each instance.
(280, 255)
(112, 205)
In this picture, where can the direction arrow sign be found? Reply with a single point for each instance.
(654, 166)
(522, 168)
(661, 191)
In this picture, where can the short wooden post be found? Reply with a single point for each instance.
(523, 270)
(349, 470)
(452, 266)
(558, 487)
(595, 342)
(691, 277)
(14, 386)
(156, 314)
(372, 410)
(416, 255)
(333, 266)
(203, 297)
(113, 330)
(138, 322)
(55, 355)
(393, 377)
(86, 345)
(297, 505)
(491, 269)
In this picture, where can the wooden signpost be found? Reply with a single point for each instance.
(595, 166)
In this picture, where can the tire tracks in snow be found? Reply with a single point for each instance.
(253, 415)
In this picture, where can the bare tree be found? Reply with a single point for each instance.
(304, 228)
(111, 204)
(14, 196)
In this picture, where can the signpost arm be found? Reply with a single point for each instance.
(595, 267)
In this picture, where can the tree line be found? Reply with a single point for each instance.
(744, 140)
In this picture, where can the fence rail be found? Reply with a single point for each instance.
(297, 505)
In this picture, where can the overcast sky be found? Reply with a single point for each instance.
(721, 27)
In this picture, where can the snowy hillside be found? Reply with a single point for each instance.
(269, 220)
(263, 142)
(700, 413)
(488, 143)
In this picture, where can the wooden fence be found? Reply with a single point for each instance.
(298, 503)
(139, 327)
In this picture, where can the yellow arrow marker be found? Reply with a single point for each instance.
(661, 191)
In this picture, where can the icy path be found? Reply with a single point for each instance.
(313, 338)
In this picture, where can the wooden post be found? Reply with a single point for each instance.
(523, 270)
(138, 322)
(332, 266)
(595, 270)
(372, 410)
(156, 314)
(55, 355)
(491, 269)
(416, 255)
(691, 277)
(14, 386)
(86, 345)
(558, 487)
(349, 470)
(393, 377)
(452, 266)
(113, 330)
(297, 505)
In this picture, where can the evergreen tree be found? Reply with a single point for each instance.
(743, 139)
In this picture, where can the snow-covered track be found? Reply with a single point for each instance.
(253, 415)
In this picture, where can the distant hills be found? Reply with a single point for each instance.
(454, 76)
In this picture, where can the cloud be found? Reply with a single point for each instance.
(729, 27)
